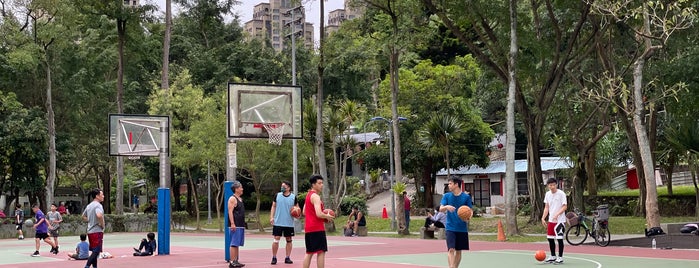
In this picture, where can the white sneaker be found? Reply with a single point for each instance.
(558, 260)
(550, 259)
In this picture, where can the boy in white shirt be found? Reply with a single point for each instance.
(555, 207)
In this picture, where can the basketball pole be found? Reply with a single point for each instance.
(164, 208)
(227, 193)
(297, 223)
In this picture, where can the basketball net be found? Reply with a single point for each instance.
(275, 132)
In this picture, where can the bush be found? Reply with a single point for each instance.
(348, 202)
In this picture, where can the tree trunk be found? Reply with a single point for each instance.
(50, 118)
(696, 189)
(669, 168)
(398, 168)
(164, 78)
(428, 182)
(636, 155)
(193, 189)
(590, 160)
(400, 214)
(510, 178)
(121, 35)
(534, 174)
(106, 189)
(319, 143)
(652, 211)
(579, 180)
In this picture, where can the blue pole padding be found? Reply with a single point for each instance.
(164, 221)
(227, 193)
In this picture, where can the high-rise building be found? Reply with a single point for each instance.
(276, 20)
(338, 16)
(131, 3)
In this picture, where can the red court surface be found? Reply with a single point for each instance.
(206, 250)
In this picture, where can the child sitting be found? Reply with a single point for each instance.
(81, 249)
(148, 246)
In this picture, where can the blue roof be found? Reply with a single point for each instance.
(496, 167)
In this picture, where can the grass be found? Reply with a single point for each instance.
(617, 225)
(662, 191)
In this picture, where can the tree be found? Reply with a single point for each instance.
(438, 132)
(510, 178)
(553, 43)
(652, 24)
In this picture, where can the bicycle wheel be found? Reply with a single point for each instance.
(603, 236)
(576, 235)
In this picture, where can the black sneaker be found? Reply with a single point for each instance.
(235, 264)
(55, 251)
(136, 250)
(288, 260)
(274, 260)
(36, 254)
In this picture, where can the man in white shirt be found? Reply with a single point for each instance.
(555, 207)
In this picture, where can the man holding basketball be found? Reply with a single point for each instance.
(316, 241)
(555, 207)
(456, 228)
(281, 220)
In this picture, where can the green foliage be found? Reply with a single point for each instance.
(351, 201)
(399, 187)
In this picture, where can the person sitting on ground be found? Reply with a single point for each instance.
(148, 246)
(355, 219)
(82, 249)
(437, 220)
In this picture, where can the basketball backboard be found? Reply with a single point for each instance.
(252, 106)
(136, 135)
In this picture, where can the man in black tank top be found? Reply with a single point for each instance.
(236, 219)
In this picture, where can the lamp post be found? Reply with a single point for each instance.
(208, 191)
(389, 122)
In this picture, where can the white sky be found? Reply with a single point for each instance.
(244, 10)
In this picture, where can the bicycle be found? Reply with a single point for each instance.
(582, 226)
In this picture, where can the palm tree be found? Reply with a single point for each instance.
(684, 138)
(438, 131)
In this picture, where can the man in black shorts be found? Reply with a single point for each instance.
(316, 240)
(281, 220)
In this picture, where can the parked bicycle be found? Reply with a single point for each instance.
(582, 226)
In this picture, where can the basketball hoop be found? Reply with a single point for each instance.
(275, 132)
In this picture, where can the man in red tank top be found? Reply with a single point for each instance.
(316, 241)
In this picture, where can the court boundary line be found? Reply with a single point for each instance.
(599, 265)
(618, 256)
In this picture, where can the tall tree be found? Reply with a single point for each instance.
(319, 142)
(510, 178)
(652, 24)
(555, 36)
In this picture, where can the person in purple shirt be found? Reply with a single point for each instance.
(42, 231)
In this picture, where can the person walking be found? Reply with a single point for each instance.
(555, 205)
(94, 216)
(406, 207)
(281, 220)
(316, 240)
(54, 218)
(19, 220)
(236, 219)
(41, 227)
(456, 228)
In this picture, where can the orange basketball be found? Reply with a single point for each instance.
(540, 255)
(296, 212)
(329, 211)
(465, 213)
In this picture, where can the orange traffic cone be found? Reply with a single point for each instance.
(384, 214)
(501, 232)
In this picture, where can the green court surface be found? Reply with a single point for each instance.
(188, 250)
(512, 258)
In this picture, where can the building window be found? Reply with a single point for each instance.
(495, 188)
(522, 185)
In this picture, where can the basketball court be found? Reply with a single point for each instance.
(207, 250)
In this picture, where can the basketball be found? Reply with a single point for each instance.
(540, 255)
(296, 212)
(29, 223)
(329, 211)
(465, 213)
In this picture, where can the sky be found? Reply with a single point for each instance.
(244, 10)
